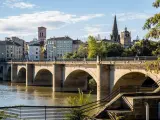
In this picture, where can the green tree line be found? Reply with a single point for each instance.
(104, 49)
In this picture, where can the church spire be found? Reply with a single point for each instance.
(115, 28)
(115, 36)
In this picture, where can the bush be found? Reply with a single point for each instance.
(77, 113)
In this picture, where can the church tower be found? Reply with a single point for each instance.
(115, 37)
(42, 40)
(125, 38)
(41, 34)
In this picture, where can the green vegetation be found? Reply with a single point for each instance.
(4, 116)
(76, 113)
(92, 85)
(153, 23)
(153, 66)
(103, 49)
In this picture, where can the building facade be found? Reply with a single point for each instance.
(2, 50)
(76, 45)
(10, 50)
(20, 42)
(34, 51)
(57, 47)
(126, 38)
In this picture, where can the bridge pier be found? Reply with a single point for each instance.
(29, 74)
(103, 78)
(13, 72)
(58, 77)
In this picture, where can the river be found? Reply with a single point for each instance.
(12, 94)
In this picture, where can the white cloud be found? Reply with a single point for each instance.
(82, 18)
(131, 16)
(26, 24)
(18, 4)
(94, 30)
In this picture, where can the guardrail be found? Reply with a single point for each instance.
(37, 112)
(93, 59)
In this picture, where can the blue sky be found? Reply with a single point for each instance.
(75, 18)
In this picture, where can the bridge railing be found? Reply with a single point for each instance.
(130, 58)
(37, 112)
(136, 58)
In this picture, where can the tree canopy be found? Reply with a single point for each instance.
(153, 23)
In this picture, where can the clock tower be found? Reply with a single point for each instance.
(125, 39)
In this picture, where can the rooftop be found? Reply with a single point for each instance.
(9, 43)
(60, 38)
(77, 41)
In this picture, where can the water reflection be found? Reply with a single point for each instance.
(12, 94)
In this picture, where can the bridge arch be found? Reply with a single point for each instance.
(89, 71)
(78, 79)
(43, 77)
(21, 76)
(134, 78)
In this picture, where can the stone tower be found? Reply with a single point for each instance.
(42, 39)
(125, 38)
(115, 37)
(41, 34)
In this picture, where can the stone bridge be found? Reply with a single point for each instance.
(71, 75)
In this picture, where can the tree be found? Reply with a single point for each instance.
(114, 50)
(68, 56)
(92, 47)
(153, 24)
(82, 51)
(144, 48)
(127, 52)
(102, 49)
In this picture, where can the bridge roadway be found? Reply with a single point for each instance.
(71, 75)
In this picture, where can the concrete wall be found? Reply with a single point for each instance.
(140, 108)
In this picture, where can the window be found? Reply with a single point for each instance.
(36, 52)
(36, 48)
(36, 56)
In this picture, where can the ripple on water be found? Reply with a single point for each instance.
(19, 94)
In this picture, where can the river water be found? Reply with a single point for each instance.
(12, 94)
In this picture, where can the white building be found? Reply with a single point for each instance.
(34, 51)
(57, 47)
